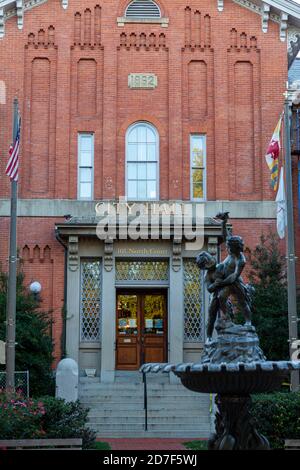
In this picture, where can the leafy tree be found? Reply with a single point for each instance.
(34, 344)
(270, 308)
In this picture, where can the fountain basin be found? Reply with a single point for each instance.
(229, 378)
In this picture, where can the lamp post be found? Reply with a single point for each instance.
(290, 243)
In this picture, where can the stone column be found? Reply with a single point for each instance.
(73, 301)
(176, 317)
(108, 360)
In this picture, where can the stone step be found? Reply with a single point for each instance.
(152, 401)
(156, 419)
(136, 380)
(132, 413)
(140, 392)
(157, 411)
(158, 433)
(137, 393)
(131, 428)
(117, 410)
(152, 404)
(152, 407)
(175, 400)
(135, 388)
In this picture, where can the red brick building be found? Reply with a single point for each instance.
(155, 101)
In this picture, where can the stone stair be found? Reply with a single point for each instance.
(117, 409)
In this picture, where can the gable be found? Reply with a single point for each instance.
(284, 12)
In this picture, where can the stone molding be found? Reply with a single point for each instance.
(283, 26)
(59, 207)
(73, 253)
(176, 255)
(220, 5)
(212, 246)
(122, 20)
(265, 17)
(293, 44)
(108, 255)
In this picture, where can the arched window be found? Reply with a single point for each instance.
(142, 9)
(142, 160)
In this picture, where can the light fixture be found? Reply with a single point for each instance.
(35, 288)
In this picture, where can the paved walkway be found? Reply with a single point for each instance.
(147, 444)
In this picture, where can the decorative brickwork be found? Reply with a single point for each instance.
(218, 74)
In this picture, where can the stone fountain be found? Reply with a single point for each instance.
(232, 366)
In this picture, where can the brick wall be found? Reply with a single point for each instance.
(217, 72)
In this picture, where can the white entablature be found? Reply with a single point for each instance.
(284, 12)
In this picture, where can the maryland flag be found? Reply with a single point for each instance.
(272, 155)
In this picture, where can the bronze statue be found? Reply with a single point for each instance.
(224, 280)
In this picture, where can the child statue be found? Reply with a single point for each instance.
(224, 280)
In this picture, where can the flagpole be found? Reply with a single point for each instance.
(291, 258)
(12, 274)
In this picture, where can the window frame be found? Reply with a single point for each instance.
(157, 146)
(79, 167)
(188, 338)
(82, 339)
(143, 17)
(204, 139)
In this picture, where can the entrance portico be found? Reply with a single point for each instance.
(132, 301)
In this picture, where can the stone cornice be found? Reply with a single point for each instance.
(57, 208)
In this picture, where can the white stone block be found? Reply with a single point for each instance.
(67, 380)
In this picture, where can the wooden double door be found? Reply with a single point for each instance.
(141, 334)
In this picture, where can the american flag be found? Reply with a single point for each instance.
(13, 162)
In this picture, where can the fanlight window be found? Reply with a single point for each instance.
(143, 9)
(142, 150)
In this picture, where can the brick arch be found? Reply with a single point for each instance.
(124, 3)
(142, 118)
(121, 148)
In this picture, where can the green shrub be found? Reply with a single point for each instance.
(66, 420)
(277, 416)
(267, 275)
(47, 418)
(20, 418)
(34, 346)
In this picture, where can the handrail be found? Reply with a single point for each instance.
(145, 400)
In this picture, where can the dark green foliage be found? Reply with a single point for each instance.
(45, 418)
(20, 418)
(270, 310)
(196, 445)
(66, 420)
(100, 446)
(34, 345)
(277, 416)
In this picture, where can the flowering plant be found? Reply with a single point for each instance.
(20, 417)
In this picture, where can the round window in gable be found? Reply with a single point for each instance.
(143, 9)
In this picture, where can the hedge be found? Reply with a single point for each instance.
(277, 416)
(47, 417)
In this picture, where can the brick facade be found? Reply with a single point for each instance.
(218, 74)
